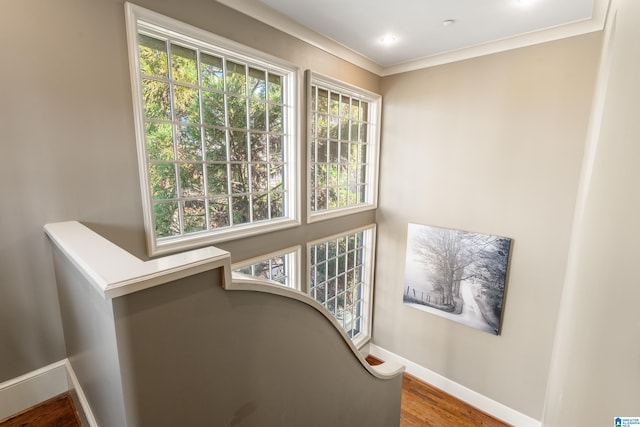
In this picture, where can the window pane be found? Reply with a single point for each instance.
(212, 108)
(321, 199)
(215, 145)
(183, 64)
(239, 178)
(321, 175)
(362, 137)
(260, 207)
(257, 115)
(355, 109)
(186, 104)
(259, 177)
(364, 111)
(277, 205)
(259, 147)
(189, 143)
(321, 147)
(159, 141)
(278, 268)
(333, 151)
(322, 126)
(275, 88)
(211, 71)
(344, 152)
(157, 104)
(191, 180)
(217, 179)
(236, 78)
(162, 178)
(219, 212)
(237, 112)
(257, 83)
(276, 177)
(153, 56)
(323, 100)
(275, 149)
(332, 199)
(275, 118)
(334, 104)
(334, 127)
(240, 209)
(165, 217)
(194, 216)
(238, 146)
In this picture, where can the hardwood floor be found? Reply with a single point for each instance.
(58, 411)
(426, 406)
(422, 406)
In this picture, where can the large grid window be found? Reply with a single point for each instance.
(340, 278)
(343, 148)
(216, 134)
(281, 267)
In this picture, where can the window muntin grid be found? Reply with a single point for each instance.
(214, 138)
(339, 278)
(215, 124)
(279, 267)
(343, 148)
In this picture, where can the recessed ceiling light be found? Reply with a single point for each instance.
(525, 2)
(448, 22)
(388, 39)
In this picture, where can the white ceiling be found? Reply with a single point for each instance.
(354, 29)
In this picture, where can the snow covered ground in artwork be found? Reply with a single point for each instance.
(471, 314)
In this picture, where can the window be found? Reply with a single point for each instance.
(281, 267)
(341, 279)
(215, 126)
(343, 148)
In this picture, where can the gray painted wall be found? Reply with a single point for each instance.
(91, 344)
(194, 354)
(595, 372)
(69, 151)
(491, 145)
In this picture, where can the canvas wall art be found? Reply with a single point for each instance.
(457, 274)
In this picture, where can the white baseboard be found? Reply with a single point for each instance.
(35, 387)
(82, 399)
(30, 389)
(477, 400)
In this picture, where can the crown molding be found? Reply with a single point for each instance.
(260, 11)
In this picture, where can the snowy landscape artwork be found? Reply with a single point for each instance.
(457, 275)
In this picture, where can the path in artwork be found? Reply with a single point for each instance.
(471, 314)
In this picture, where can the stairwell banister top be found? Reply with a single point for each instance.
(114, 272)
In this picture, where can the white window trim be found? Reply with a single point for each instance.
(368, 278)
(294, 263)
(373, 156)
(135, 16)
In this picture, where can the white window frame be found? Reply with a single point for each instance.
(138, 18)
(292, 255)
(373, 141)
(369, 233)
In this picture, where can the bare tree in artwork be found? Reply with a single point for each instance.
(458, 273)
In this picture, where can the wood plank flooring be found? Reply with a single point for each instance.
(426, 406)
(56, 412)
(422, 406)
